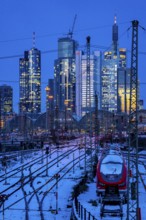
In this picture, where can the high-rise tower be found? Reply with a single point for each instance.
(95, 80)
(109, 73)
(64, 75)
(30, 82)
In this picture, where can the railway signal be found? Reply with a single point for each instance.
(3, 198)
(4, 160)
(57, 175)
(47, 150)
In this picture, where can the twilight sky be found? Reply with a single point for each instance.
(52, 19)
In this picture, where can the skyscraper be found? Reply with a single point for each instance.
(81, 78)
(30, 82)
(109, 73)
(64, 75)
(109, 82)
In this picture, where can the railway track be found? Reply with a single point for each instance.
(23, 181)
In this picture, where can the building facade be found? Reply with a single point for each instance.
(81, 81)
(109, 82)
(6, 105)
(30, 82)
(50, 104)
(6, 100)
(115, 77)
(123, 83)
(109, 73)
(64, 75)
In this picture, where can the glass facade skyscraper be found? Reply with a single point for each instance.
(64, 75)
(109, 82)
(81, 77)
(109, 73)
(30, 82)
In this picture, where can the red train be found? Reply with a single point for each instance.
(111, 171)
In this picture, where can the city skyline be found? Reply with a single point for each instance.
(93, 19)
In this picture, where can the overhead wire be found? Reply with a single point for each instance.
(105, 48)
(56, 34)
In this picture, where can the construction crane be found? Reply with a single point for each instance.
(133, 210)
(70, 33)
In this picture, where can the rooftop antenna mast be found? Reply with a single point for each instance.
(72, 30)
(33, 39)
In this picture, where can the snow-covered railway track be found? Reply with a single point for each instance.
(14, 189)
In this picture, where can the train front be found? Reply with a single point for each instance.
(111, 171)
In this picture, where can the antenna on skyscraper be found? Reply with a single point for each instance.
(33, 39)
(115, 19)
(70, 33)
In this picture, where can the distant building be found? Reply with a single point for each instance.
(6, 100)
(81, 80)
(30, 82)
(50, 95)
(64, 75)
(141, 104)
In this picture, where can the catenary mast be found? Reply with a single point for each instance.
(133, 210)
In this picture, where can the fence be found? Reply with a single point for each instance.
(79, 212)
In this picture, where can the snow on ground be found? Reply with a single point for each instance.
(86, 198)
(65, 188)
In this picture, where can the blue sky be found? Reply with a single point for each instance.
(52, 19)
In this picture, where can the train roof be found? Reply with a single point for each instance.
(109, 150)
(111, 164)
(114, 158)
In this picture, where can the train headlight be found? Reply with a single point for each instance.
(101, 184)
(122, 184)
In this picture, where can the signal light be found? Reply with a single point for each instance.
(47, 150)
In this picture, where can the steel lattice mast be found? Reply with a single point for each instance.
(96, 122)
(88, 92)
(133, 196)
